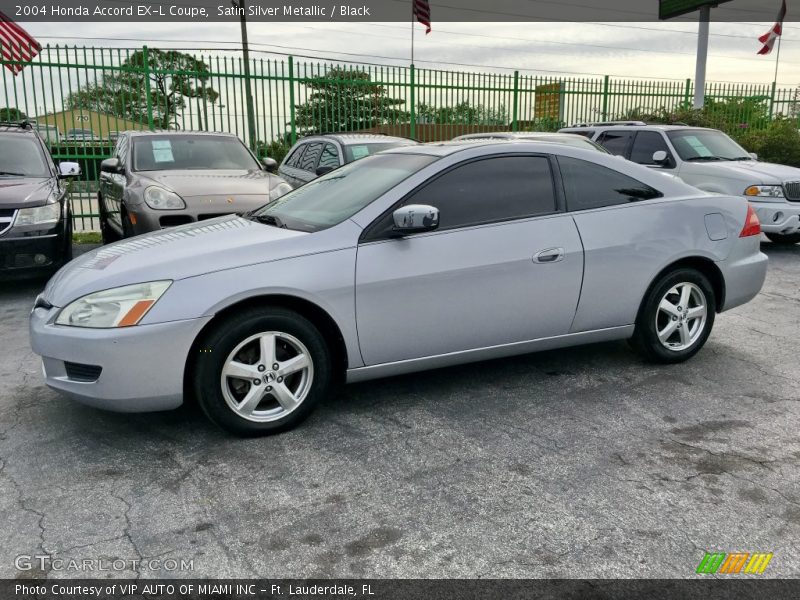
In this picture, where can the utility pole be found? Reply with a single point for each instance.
(251, 119)
(702, 57)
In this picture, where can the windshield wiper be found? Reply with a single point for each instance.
(11, 174)
(699, 158)
(269, 220)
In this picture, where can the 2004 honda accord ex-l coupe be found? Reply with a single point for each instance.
(411, 259)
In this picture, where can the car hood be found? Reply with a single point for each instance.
(752, 171)
(23, 192)
(214, 183)
(177, 253)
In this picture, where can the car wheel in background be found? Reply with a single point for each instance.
(676, 317)
(107, 234)
(780, 238)
(67, 256)
(261, 371)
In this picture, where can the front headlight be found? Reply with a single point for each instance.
(49, 213)
(158, 198)
(279, 190)
(764, 191)
(117, 307)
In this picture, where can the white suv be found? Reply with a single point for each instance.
(712, 161)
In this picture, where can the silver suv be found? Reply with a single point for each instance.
(712, 161)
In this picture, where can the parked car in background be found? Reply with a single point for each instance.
(162, 179)
(50, 133)
(710, 160)
(80, 135)
(570, 139)
(315, 155)
(35, 216)
(414, 258)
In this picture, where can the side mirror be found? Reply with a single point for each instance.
(415, 218)
(754, 156)
(323, 170)
(270, 164)
(660, 157)
(68, 169)
(111, 165)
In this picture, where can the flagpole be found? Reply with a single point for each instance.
(777, 59)
(412, 32)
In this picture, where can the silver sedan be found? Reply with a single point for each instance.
(411, 259)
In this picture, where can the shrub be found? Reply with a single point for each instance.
(778, 143)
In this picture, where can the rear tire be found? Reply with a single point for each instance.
(783, 238)
(107, 234)
(261, 371)
(676, 317)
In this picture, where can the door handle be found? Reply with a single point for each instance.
(550, 255)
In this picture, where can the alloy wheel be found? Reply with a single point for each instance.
(681, 316)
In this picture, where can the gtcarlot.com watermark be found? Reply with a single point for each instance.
(45, 562)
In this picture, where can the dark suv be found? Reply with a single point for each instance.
(315, 155)
(35, 216)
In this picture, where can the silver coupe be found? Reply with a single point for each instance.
(414, 258)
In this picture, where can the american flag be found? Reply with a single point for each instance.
(17, 44)
(768, 39)
(422, 11)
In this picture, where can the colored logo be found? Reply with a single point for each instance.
(734, 563)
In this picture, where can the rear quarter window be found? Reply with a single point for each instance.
(588, 185)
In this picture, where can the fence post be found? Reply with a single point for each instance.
(291, 100)
(605, 97)
(688, 93)
(149, 99)
(514, 124)
(413, 131)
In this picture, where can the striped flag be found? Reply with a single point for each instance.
(17, 44)
(768, 39)
(422, 11)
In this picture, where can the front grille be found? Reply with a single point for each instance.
(174, 220)
(83, 373)
(792, 190)
(6, 219)
(210, 216)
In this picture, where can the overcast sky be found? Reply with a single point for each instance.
(651, 50)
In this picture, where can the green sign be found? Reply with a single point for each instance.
(668, 9)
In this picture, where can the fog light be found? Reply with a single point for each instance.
(40, 259)
(778, 216)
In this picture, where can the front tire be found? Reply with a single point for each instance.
(783, 238)
(262, 371)
(107, 234)
(676, 317)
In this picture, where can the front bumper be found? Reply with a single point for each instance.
(778, 217)
(23, 250)
(128, 369)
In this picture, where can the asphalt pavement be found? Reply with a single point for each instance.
(583, 462)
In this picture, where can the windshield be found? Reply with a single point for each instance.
(21, 157)
(179, 152)
(332, 198)
(701, 144)
(357, 151)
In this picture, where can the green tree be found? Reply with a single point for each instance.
(347, 100)
(11, 115)
(173, 78)
(462, 113)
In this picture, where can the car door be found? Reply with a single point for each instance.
(504, 266)
(616, 141)
(646, 144)
(290, 168)
(307, 169)
(117, 182)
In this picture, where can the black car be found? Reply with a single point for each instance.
(315, 155)
(35, 216)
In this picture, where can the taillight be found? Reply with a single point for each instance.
(751, 224)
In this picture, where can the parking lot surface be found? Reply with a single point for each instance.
(582, 462)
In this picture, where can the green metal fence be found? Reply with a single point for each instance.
(81, 97)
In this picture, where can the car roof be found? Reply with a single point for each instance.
(512, 135)
(17, 128)
(442, 149)
(654, 127)
(161, 132)
(354, 138)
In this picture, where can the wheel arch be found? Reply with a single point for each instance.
(704, 265)
(317, 315)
